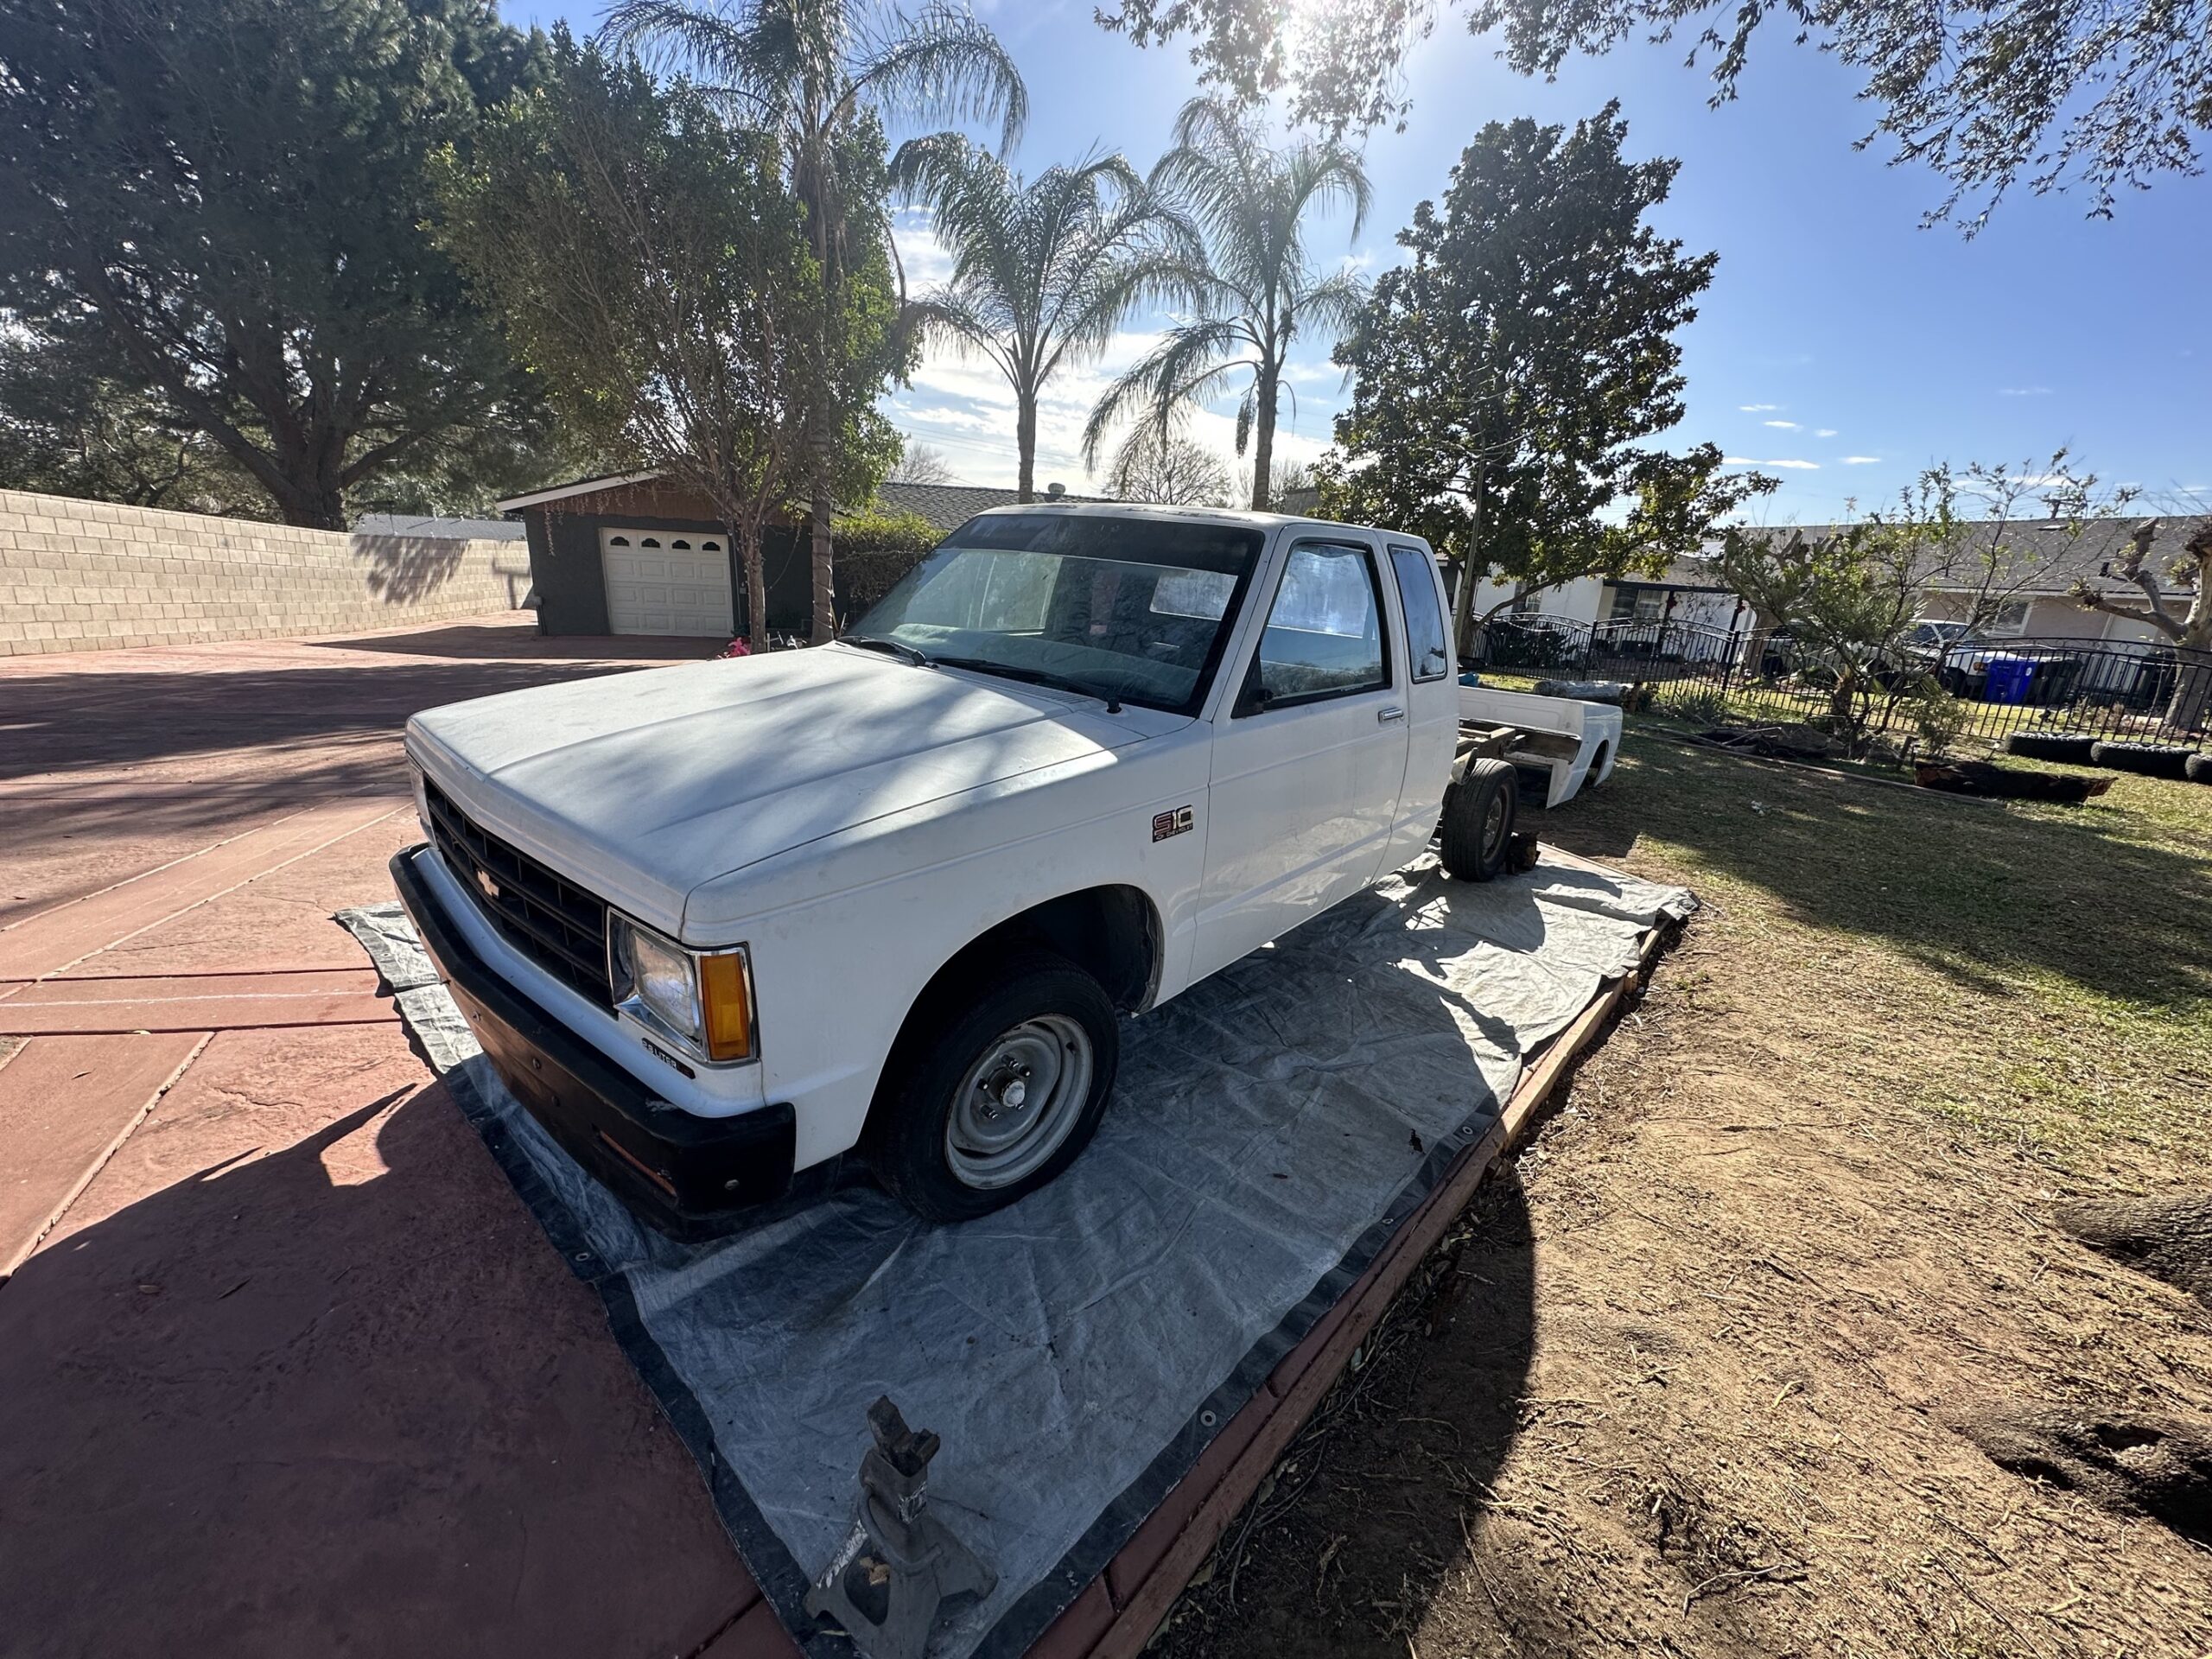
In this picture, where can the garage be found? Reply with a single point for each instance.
(661, 583)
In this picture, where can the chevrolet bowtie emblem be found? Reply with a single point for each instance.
(491, 887)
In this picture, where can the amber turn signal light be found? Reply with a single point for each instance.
(726, 999)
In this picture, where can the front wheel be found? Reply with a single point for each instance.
(996, 1088)
(1479, 806)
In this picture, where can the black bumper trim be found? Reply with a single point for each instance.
(685, 1175)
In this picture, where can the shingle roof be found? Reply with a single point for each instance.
(950, 505)
(2043, 558)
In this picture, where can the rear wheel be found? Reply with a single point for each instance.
(1480, 804)
(996, 1087)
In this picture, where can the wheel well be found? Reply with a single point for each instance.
(1112, 933)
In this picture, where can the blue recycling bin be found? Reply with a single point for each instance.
(2009, 678)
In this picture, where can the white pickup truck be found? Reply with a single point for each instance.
(723, 927)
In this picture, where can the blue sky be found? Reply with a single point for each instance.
(1840, 345)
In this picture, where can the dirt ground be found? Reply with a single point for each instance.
(1710, 1367)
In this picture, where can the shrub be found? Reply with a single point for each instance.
(874, 548)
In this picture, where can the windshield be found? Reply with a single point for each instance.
(1130, 610)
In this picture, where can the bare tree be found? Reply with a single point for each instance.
(2025, 525)
(918, 463)
(2190, 628)
(1169, 469)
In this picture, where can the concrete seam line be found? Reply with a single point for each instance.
(308, 852)
(181, 858)
(38, 1237)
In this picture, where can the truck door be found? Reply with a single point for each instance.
(1431, 703)
(1310, 757)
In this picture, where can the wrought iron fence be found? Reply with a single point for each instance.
(1988, 690)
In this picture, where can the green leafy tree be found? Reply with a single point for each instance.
(820, 74)
(67, 430)
(1506, 376)
(1043, 272)
(2105, 94)
(657, 276)
(1252, 291)
(216, 206)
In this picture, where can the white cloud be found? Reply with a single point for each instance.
(2024, 391)
(963, 405)
(1861, 461)
(1759, 409)
(1786, 426)
(1825, 432)
(1794, 466)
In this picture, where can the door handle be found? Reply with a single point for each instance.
(1386, 715)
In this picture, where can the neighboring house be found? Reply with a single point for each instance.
(2033, 586)
(437, 529)
(2033, 583)
(635, 553)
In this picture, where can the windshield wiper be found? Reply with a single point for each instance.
(1032, 676)
(897, 647)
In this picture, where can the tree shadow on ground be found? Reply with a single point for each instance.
(62, 723)
(1369, 1513)
(321, 1400)
(1976, 890)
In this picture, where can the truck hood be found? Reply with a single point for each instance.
(643, 785)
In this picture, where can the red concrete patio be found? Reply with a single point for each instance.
(284, 1365)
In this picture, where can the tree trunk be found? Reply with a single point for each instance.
(2192, 693)
(1463, 602)
(1025, 443)
(748, 537)
(822, 557)
(1263, 438)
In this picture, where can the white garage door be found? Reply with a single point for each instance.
(658, 581)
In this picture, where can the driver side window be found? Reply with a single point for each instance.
(1323, 637)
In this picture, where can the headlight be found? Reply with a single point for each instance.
(704, 998)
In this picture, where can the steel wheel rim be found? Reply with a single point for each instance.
(1494, 827)
(1019, 1102)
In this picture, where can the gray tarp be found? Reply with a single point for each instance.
(1269, 1129)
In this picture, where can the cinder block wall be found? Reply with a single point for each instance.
(89, 575)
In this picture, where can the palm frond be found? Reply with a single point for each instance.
(946, 65)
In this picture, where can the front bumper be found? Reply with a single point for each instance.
(687, 1176)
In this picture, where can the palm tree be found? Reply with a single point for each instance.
(816, 72)
(1254, 292)
(1043, 272)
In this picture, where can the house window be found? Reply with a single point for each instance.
(2011, 619)
(1527, 601)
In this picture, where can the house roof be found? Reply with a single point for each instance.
(947, 506)
(2041, 557)
(582, 487)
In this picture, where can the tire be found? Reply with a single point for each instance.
(932, 1137)
(2063, 747)
(2152, 759)
(1480, 804)
(2198, 769)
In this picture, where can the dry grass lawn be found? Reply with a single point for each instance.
(1711, 1367)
